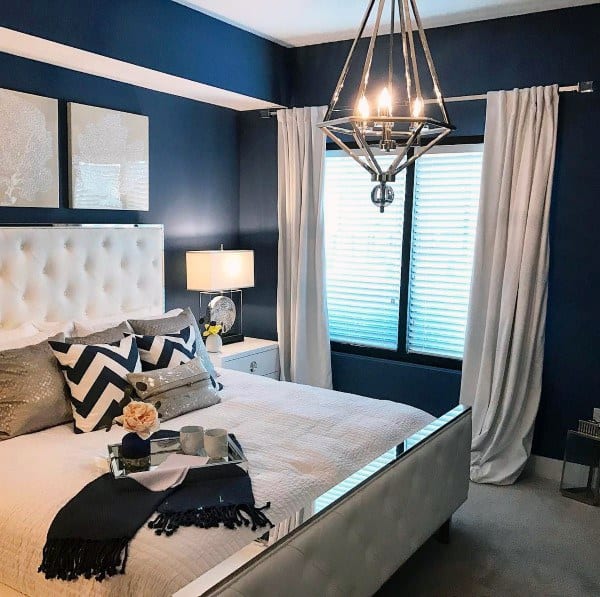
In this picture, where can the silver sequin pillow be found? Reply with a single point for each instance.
(33, 395)
(179, 390)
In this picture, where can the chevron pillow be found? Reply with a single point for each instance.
(169, 350)
(97, 378)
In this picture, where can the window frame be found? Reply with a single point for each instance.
(401, 354)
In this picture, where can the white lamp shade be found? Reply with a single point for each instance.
(213, 271)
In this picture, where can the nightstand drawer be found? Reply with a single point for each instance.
(260, 363)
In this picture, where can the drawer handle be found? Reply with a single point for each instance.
(253, 366)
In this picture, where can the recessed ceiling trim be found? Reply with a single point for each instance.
(295, 23)
(43, 50)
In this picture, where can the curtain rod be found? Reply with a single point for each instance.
(581, 87)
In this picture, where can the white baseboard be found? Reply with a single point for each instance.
(546, 468)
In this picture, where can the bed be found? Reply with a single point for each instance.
(356, 485)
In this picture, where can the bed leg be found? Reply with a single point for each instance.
(443, 533)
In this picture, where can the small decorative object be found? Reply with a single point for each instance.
(581, 467)
(165, 443)
(212, 335)
(590, 428)
(214, 273)
(222, 309)
(108, 159)
(401, 117)
(29, 156)
(191, 439)
(141, 420)
(215, 443)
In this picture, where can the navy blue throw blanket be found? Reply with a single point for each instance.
(90, 535)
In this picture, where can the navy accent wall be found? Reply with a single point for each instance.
(161, 35)
(194, 178)
(258, 220)
(537, 49)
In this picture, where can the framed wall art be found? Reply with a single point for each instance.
(108, 159)
(29, 152)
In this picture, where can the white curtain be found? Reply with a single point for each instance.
(504, 347)
(302, 327)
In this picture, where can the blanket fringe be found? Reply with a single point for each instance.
(205, 518)
(68, 559)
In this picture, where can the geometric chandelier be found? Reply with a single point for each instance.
(399, 115)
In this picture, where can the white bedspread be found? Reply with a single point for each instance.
(300, 441)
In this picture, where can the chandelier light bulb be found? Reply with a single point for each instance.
(363, 108)
(418, 107)
(385, 103)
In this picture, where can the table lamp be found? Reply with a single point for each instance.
(219, 277)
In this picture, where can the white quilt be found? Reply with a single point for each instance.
(300, 441)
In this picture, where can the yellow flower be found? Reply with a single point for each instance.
(211, 329)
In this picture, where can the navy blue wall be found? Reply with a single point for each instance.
(544, 48)
(258, 220)
(194, 147)
(161, 35)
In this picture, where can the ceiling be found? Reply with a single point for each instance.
(305, 22)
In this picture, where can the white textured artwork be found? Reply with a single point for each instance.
(109, 158)
(28, 150)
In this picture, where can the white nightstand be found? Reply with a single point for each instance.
(259, 357)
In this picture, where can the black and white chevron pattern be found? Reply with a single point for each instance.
(97, 379)
(169, 350)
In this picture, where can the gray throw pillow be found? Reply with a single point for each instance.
(107, 336)
(33, 395)
(177, 390)
(172, 325)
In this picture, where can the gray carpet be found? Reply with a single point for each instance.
(521, 540)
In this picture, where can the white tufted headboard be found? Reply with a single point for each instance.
(66, 273)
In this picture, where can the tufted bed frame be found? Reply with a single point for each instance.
(73, 273)
(346, 543)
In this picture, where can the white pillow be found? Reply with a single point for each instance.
(25, 335)
(91, 326)
(171, 313)
(55, 327)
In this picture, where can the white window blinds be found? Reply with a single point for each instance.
(363, 255)
(445, 204)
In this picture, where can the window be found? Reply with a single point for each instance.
(398, 284)
(363, 254)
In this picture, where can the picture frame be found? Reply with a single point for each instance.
(29, 160)
(108, 158)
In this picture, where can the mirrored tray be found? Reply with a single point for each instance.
(161, 448)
